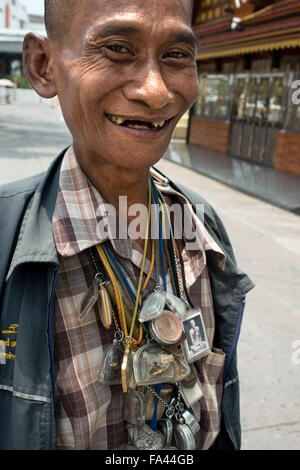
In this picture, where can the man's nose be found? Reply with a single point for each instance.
(150, 87)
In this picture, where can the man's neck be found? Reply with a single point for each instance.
(122, 188)
(113, 182)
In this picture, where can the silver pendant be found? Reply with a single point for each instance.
(191, 421)
(111, 368)
(90, 297)
(165, 426)
(192, 395)
(166, 329)
(196, 345)
(184, 437)
(104, 306)
(110, 372)
(153, 305)
(135, 408)
(191, 389)
(177, 306)
(154, 365)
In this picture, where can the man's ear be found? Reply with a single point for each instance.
(36, 56)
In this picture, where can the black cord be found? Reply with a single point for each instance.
(183, 275)
(172, 269)
(98, 264)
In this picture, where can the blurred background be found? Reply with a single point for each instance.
(239, 147)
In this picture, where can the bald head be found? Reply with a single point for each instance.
(59, 14)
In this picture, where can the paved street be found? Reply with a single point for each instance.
(266, 242)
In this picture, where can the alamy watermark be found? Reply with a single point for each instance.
(130, 222)
(295, 358)
(296, 94)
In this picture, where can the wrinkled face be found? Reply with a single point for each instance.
(125, 75)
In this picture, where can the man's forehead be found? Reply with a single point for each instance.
(116, 6)
(129, 24)
(103, 10)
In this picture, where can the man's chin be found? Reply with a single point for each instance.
(142, 163)
(140, 155)
(131, 154)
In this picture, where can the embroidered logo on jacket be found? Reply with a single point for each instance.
(8, 344)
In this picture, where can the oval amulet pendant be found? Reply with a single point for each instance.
(97, 293)
(165, 426)
(184, 437)
(105, 308)
(166, 329)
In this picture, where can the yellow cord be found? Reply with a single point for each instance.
(137, 342)
(142, 267)
(151, 267)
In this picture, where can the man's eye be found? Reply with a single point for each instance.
(177, 55)
(118, 49)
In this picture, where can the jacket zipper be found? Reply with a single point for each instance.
(236, 336)
(51, 336)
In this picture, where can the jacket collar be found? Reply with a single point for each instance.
(36, 242)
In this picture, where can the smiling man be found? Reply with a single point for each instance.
(97, 356)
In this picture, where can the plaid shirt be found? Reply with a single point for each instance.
(90, 413)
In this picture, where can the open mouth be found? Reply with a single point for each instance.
(140, 125)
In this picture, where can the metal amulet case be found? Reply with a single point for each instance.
(196, 344)
(166, 329)
(165, 426)
(184, 437)
(154, 365)
(110, 373)
(191, 421)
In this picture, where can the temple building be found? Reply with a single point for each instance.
(249, 77)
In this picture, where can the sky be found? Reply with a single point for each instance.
(36, 7)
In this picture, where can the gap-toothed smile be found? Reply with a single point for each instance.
(138, 123)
